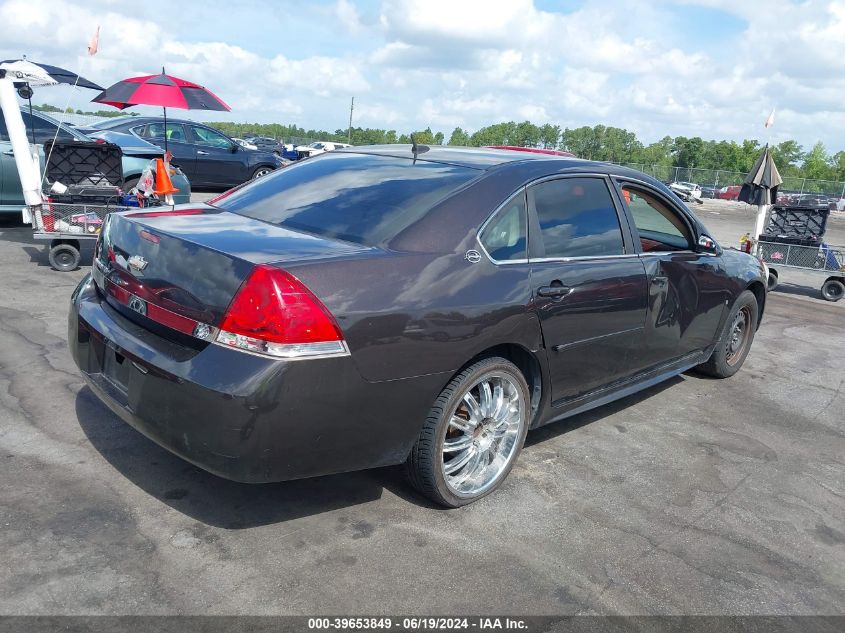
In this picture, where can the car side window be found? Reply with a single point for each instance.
(205, 136)
(577, 218)
(660, 228)
(505, 237)
(156, 130)
(44, 130)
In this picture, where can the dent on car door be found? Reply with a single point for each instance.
(687, 289)
(588, 283)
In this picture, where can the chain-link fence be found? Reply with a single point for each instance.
(719, 178)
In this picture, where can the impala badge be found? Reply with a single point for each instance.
(137, 262)
(473, 257)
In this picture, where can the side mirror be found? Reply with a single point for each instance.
(707, 245)
(234, 147)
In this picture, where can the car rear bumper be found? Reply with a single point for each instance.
(238, 415)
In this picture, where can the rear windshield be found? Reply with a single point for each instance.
(357, 198)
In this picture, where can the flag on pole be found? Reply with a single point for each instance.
(771, 120)
(94, 43)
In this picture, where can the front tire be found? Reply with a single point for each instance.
(736, 339)
(261, 171)
(473, 434)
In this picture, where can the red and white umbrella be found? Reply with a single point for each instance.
(162, 90)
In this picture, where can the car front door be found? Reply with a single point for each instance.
(588, 283)
(184, 153)
(687, 289)
(220, 161)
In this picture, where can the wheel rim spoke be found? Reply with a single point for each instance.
(459, 462)
(473, 407)
(486, 398)
(460, 443)
(464, 426)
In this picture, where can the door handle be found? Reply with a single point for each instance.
(9, 152)
(202, 153)
(554, 291)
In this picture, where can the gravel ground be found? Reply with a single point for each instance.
(697, 496)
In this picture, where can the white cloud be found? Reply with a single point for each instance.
(468, 63)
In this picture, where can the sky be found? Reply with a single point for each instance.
(709, 68)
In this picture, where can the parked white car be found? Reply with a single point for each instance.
(244, 144)
(689, 189)
(318, 147)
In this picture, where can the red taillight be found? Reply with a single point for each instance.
(273, 313)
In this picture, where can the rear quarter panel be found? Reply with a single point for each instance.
(406, 315)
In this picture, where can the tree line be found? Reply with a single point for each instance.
(599, 142)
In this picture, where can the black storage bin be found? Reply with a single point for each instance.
(800, 225)
(798, 241)
(86, 168)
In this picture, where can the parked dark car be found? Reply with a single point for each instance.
(265, 142)
(208, 157)
(368, 307)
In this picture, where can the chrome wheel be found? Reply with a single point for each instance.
(483, 434)
(260, 172)
(740, 333)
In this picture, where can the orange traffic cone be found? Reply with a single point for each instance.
(164, 186)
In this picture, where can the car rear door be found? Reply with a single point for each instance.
(220, 161)
(687, 288)
(588, 283)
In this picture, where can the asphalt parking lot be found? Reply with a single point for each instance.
(697, 496)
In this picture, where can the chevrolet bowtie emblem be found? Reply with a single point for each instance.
(137, 262)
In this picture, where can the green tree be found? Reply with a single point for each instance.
(549, 136)
(817, 163)
(459, 137)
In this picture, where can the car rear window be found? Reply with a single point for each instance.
(357, 198)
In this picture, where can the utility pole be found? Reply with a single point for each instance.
(351, 108)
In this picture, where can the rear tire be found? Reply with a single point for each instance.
(472, 435)
(833, 290)
(64, 257)
(735, 340)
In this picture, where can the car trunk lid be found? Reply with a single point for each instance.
(176, 271)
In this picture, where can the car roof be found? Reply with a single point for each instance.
(472, 157)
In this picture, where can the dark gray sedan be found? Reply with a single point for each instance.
(208, 157)
(380, 306)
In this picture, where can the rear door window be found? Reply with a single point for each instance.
(43, 130)
(577, 218)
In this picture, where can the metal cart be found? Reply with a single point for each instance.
(824, 260)
(66, 225)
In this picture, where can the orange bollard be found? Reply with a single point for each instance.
(164, 186)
